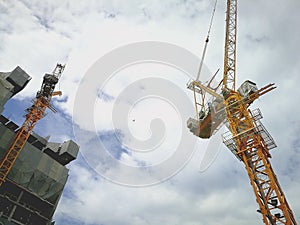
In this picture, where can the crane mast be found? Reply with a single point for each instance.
(248, 139)
(34, 114)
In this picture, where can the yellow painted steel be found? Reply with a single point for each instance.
(35, 113)
(250, 145)
(253, 151)
(230, 46)
(247, 141)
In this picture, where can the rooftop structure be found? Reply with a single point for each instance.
(36, 181)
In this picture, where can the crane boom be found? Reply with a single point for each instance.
(34, 114)
(247, 138)
(230, 46)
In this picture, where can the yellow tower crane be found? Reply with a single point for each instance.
(34, 114)
(247, 138)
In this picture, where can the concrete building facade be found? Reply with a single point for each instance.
(35, 184)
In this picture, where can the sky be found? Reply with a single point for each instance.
(126, 104)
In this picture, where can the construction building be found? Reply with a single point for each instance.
(34, 185)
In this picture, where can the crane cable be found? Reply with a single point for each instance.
(206, 41)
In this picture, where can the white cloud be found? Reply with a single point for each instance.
(36, 35)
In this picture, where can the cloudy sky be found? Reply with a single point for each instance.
(138, 113)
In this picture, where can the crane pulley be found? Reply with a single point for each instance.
(34, 114)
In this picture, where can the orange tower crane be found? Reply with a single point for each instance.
(247, 138)
(34, 114)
